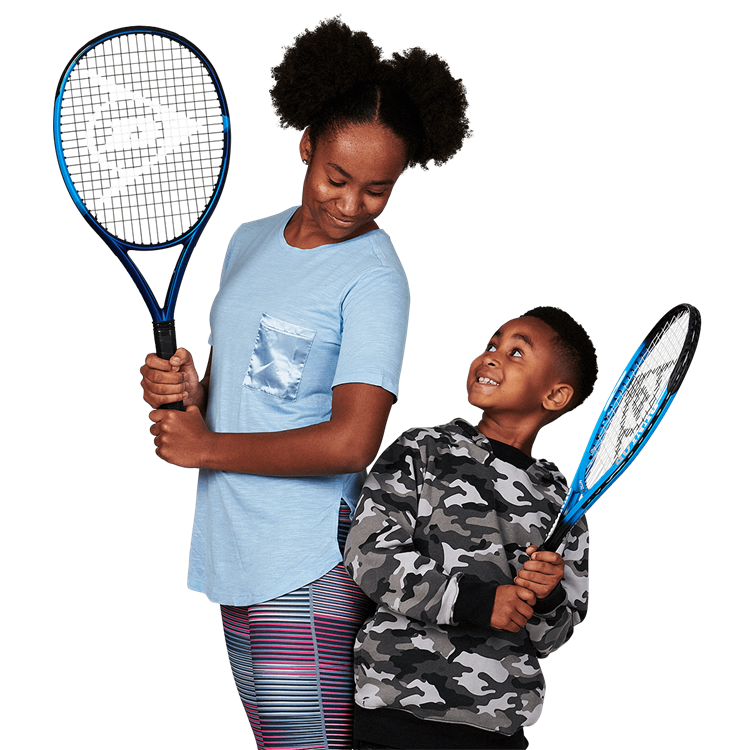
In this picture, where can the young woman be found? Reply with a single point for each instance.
(307, 336)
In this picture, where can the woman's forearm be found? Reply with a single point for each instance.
(308, 451)
(346, 443)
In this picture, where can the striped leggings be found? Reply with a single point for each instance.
(292, 661)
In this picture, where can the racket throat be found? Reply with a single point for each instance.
(553, 538)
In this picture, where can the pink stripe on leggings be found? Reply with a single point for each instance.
(292, 663)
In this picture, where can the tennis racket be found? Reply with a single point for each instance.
(638, 403)
(142, 139)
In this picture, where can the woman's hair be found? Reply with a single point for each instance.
(333, 77)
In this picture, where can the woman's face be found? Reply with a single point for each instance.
(348, 182)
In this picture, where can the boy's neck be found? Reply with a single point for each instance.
(518, 435)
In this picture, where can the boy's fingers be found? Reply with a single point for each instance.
(526, 576)
(545, 556)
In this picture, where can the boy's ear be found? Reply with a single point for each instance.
(558, 397)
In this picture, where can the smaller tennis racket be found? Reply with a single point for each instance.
(142, 140)
(638, 403)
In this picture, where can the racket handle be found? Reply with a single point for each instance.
(166, 346)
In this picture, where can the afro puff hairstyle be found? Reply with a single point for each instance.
(333, 77)
(573, 346)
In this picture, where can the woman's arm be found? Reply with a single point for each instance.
(374, 312)
(346, 443)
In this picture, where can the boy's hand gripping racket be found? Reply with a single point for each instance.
(142, 139)
(637, 404)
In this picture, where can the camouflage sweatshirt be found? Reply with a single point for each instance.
(438, 506)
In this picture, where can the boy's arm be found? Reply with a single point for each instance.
(556, 615)
(380, 553)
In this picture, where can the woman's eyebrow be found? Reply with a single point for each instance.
(345, 174)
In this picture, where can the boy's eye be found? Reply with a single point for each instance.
(516, 352)
(491, 348)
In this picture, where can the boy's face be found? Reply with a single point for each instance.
(518, 369)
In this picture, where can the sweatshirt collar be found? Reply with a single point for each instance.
(540, 470)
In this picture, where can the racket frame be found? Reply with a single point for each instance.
(162, 316)
(581, 497)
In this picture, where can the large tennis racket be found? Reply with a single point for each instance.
(142, 139)
(638, 403)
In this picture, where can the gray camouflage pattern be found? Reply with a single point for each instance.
(438, 505)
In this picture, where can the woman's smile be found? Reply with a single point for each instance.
(349, 179)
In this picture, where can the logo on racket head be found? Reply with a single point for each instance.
(639, 404)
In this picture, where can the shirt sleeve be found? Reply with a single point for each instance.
(475, 601)
(380, 553)
(375, 313)
(554, 618)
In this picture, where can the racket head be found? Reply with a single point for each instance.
(142, 138)
(139, 110)
(636, 406)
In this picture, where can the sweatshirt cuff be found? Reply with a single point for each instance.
(554, 600)
(475, 601)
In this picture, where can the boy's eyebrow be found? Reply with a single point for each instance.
(345, 174)
(521, 336)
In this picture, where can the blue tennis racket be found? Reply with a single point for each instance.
(142, 139)
(638, 403)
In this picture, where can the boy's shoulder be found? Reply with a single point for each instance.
(456, 431)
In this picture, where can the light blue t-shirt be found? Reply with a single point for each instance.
(286, 326)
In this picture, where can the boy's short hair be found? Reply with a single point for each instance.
(574, 348)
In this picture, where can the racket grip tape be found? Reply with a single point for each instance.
(166, 346)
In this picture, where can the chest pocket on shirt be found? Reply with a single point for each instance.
(278, 358)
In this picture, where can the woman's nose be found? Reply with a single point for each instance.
(348, 203)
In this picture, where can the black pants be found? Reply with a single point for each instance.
(371, 746)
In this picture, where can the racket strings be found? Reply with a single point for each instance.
(638, 397)
(143, 137)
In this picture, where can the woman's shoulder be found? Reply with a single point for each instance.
(378, 241)
(266, 224)
(371, 252)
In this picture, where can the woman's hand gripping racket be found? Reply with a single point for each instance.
(142, 139)
(637, 404)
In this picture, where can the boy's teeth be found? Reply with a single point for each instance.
(487, 381)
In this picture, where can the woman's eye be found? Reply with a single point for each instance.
(335, 184)
(375, 195)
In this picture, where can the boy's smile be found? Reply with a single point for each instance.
(514, 379)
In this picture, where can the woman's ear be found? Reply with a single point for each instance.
(305, 147)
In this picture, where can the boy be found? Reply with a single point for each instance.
(444, 541)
